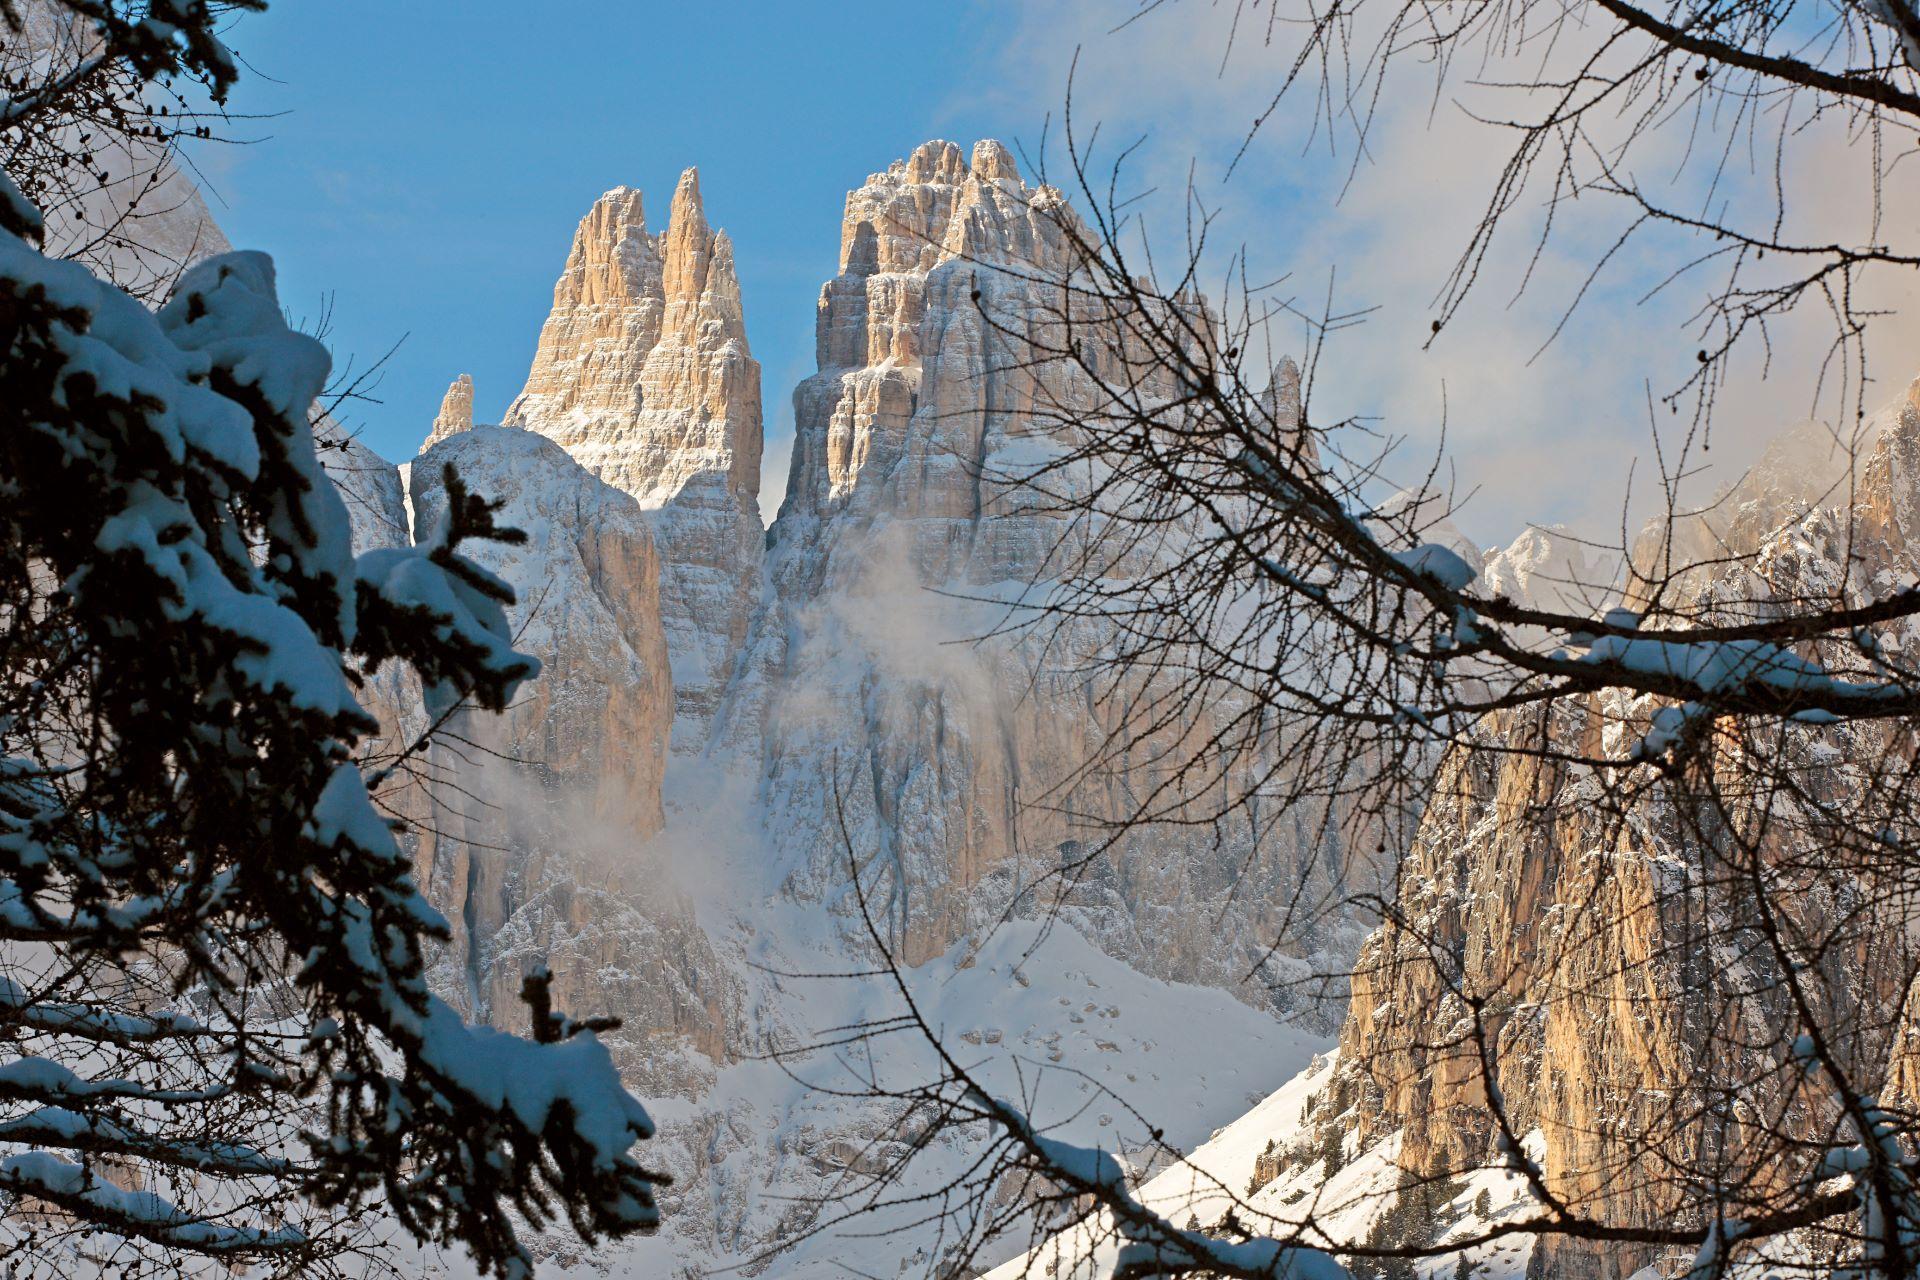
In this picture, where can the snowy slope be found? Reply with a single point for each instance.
(1305, 1201)
(1044, 1013)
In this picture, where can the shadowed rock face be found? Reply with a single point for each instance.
(536, 843)
(531, 829)
(643, 375)
(376, 501)
(127, 209)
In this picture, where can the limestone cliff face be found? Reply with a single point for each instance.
(961, 769)
(536, 843)
(1556, 923)
(1605, 952)
(530, 830)
(643, 375)
(897, 331)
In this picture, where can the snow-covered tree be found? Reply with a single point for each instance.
(215, 1035)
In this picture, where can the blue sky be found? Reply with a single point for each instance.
(428, 161)
(422, 163)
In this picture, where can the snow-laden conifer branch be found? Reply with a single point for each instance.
(211, 940)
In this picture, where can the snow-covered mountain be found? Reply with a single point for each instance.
(671, 818)
(732, 720)
(1549, 568)
(724, 737)
(729, 726)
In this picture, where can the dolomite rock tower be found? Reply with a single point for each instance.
(456, 412)
(863, 697)
(643, 375)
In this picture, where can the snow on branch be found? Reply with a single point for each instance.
(1152, 1248)
(179, 580)
(136, 1213)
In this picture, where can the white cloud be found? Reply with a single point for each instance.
(1543, 437)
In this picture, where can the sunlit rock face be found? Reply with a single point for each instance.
(376, 501)
(456, 412)
(967, 773)
(1608, 1003)
(643, 375)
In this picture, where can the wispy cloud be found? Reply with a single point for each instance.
(1543, 434)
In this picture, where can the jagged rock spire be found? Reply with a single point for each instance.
(914, 241)
(644, 375)
(992, 162)
(1283, 395)
(456, 412)
(689, 245)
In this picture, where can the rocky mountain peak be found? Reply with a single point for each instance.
(1283, 403)
(456, 412)
(613, 259)
(936, 205)
(992, 162)
(688, 247)
(1547, 567)
(688, 215)
(916, 241)
(644, 376)
(935, 161)
(647, 328)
